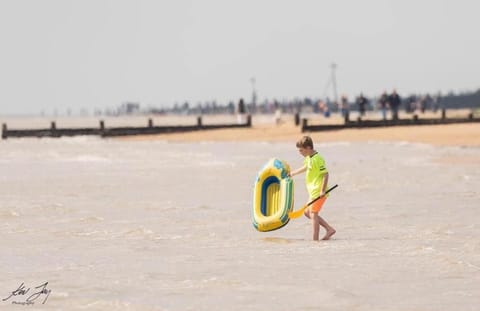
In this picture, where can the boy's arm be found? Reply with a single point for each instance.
(298, 171)
(324, 184)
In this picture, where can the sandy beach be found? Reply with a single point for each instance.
(444, 135)
(264, 129)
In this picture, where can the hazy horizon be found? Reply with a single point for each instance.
(60, 55)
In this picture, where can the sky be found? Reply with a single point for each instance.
(59, 55)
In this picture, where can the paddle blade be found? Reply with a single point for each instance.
(297, 213)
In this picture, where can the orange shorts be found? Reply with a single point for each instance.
(316, 206)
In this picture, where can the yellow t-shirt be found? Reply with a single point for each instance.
(315, 174)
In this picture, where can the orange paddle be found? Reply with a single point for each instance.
(299, 212)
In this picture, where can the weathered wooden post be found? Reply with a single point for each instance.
(53, 129)
(102, 127)
(297, 119)
(444, 113)
(4, 131)
(249, 120)
(415, 118)
(199, 121)
(304, 125)
(470, 116)
(150, 123)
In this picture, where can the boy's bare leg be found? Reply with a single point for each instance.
(330, 230)
(315, 225)
(318, 221)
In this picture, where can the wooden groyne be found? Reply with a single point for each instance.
(359, 123)
(104, 131)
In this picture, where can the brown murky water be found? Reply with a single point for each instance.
(167, 226)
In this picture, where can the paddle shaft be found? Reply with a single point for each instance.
(299, 212)
(314, 200)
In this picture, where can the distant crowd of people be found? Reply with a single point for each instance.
(392, 102)
(384, 103)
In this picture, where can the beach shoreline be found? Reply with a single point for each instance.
(439, 135)
(264, 129)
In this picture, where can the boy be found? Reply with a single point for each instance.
(316, 180)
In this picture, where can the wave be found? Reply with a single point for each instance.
(9, 213)
(88, 159)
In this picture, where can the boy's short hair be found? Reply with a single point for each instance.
(305, 142)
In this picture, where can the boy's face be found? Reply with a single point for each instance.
(305, 151)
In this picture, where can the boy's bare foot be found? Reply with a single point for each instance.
(329, 234)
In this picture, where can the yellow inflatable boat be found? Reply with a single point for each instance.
(272, 196)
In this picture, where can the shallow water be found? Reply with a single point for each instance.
(167, 226)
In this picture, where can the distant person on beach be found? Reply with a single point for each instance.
(410, 104)
(241, 111)
(316, 181)
(383, 102)
(427, 101)
(344, 106)
(394, 101)
(435, 103)
(278, 112)
(323, 108)
(362, 104)
(231, 107)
